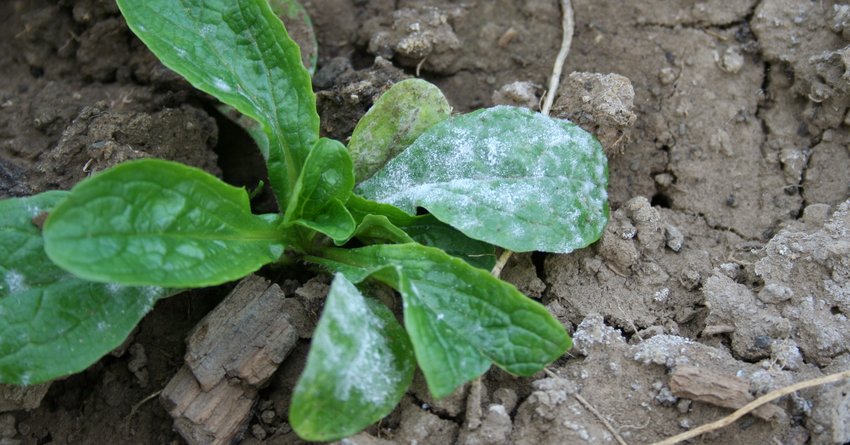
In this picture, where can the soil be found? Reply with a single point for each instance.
(728, 249)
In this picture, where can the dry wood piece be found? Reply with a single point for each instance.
(246, 337)
(230, 354)
(718, 389)
(211, 417)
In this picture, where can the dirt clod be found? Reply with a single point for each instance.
(421, 427)
(601, 104)
(14, 397)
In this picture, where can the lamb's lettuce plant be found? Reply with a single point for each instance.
(74, 289)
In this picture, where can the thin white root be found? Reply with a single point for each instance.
(142, 402)
(500, 263)
(567, 24)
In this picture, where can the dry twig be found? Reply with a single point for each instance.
(599, 416)
(746, 409)
(592, 410)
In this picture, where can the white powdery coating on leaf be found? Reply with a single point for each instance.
(33, 211)
(221, 85)
(15, 282)
(543, 181)
(151, 294)
(368, 371)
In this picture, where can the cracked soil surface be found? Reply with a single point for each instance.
(728, 248)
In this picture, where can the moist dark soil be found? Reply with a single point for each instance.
(727, 131)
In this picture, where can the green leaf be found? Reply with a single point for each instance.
(442, 293)
(506, 176)
(429, 231)
(396, 119)
(300, 28)
(446, 357)
(154, 222)
(324, 185)
(333, 220)
(377, 229)
(360, 207)
(359, 366)
(239, 52)
(423, 229)
(52, 323)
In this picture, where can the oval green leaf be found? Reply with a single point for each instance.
(396, 119)
(379, 222)
(503, 175)
(239, 52)
(359, 366)
(300, 28)
(52, 323)
(324, 185)
(446, 357)
(155, 222)
(443, 293)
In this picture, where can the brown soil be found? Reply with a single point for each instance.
(727, 249)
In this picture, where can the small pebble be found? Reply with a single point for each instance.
(258, 431)
(667, 75)
(267, 416)
(673, 237)
(731, 61)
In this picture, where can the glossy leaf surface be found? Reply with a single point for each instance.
(443, 293)
(381, 223)
(299, 26)
(324, 185)
(503, 175)
(155, 222)
(359, 366)
(52, 323)
(239, 52)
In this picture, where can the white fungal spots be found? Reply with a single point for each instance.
(150, 294)
(206, 30)
(14, 282)
(351, 342)
(114, 288)
(221, 85)
(33, 210)
(502, 175)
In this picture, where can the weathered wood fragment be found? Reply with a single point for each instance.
(214, 417)
(230, 354)
(717, 389)
(246, 337)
